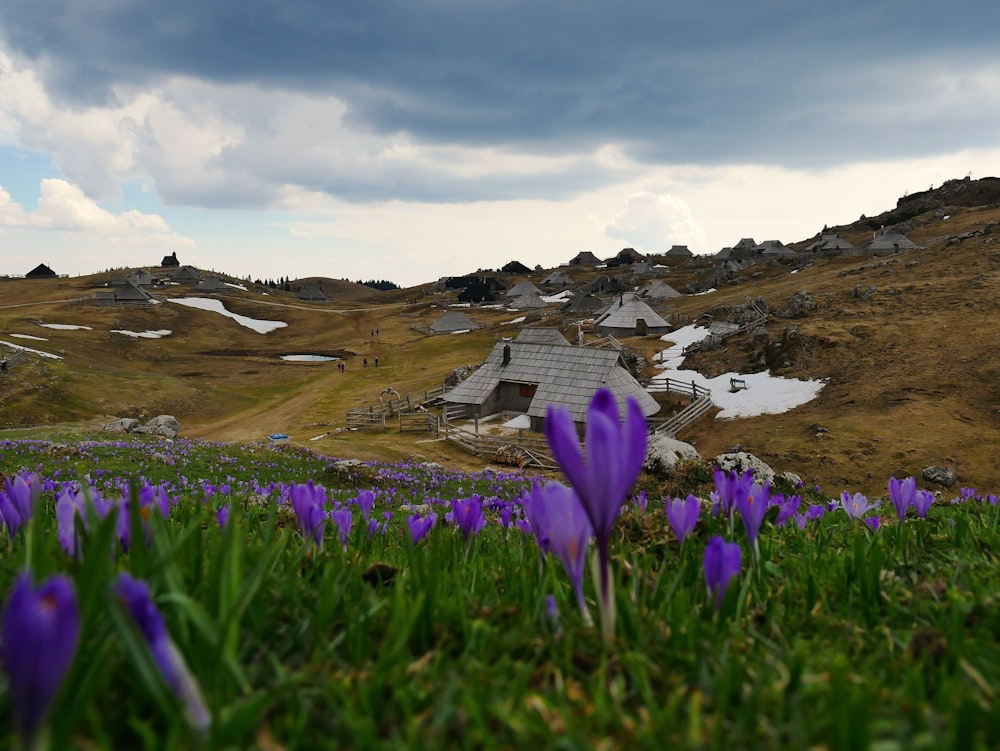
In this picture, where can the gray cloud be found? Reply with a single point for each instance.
(771, 82)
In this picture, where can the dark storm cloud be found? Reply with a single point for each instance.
(771, 81)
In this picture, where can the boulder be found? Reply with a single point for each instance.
(165, 426)
(741, 461)
(940, 475)
(792, 479)
(663, 453)
(124, 425)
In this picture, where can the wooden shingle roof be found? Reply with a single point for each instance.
(523, 288)
(624, 313)
(453, 320)
(564, 375)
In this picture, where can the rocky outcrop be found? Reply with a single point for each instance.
(741, 461)
(940, 475)
(663, 453)
(123, 425)
(165, 426)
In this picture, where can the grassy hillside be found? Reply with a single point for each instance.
(907, 345)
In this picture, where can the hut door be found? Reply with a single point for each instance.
(640, 327)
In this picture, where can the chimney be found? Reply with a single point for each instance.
(506, 356)
(621, 300)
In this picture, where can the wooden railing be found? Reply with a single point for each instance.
(701, 402)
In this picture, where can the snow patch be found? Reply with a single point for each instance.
(764, 394)
(65, 327)
(216, 306)
(158, 334)
(34, 351)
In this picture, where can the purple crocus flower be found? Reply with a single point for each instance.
(603, 474)
(154, 496)
(856, 506)
(17, 502)
(752, 507)
(537, 514)
(815, 511)
(418, 526)
(40, 631)
(366, 502)
(9, 515)
(683, 516)
(722, 563)
(69, 505)
(568, 532)
(134, 593)
(902, 494)
(873, 522)
(730, 488)
(23, 491)
(342, 519)
(787, 510)
(222, 516)
(72, 504)
(307, 503)
(467, 515)
(922, 502)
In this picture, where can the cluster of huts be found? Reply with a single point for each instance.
(133, 288)
(541, 367)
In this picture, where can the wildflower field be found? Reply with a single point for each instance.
(190, 595)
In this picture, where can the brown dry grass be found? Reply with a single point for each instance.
(913, 375)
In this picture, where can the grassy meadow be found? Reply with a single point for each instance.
(220, 591)
(836, 633)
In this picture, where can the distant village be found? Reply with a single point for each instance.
(625, 269)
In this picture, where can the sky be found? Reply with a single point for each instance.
(413, 139)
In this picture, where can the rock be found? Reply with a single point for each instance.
(345, 465)
(940, 475)
(792, 479)
(124, 425)
(741, 461)
(165, 426)
(802, 304)
(663, 453)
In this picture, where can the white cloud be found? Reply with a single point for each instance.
(88, 238)
(652, 222)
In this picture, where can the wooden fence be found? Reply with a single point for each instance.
(701, 402)
(424, 421)
(14, 359)
(407, 408)
(366, 418)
